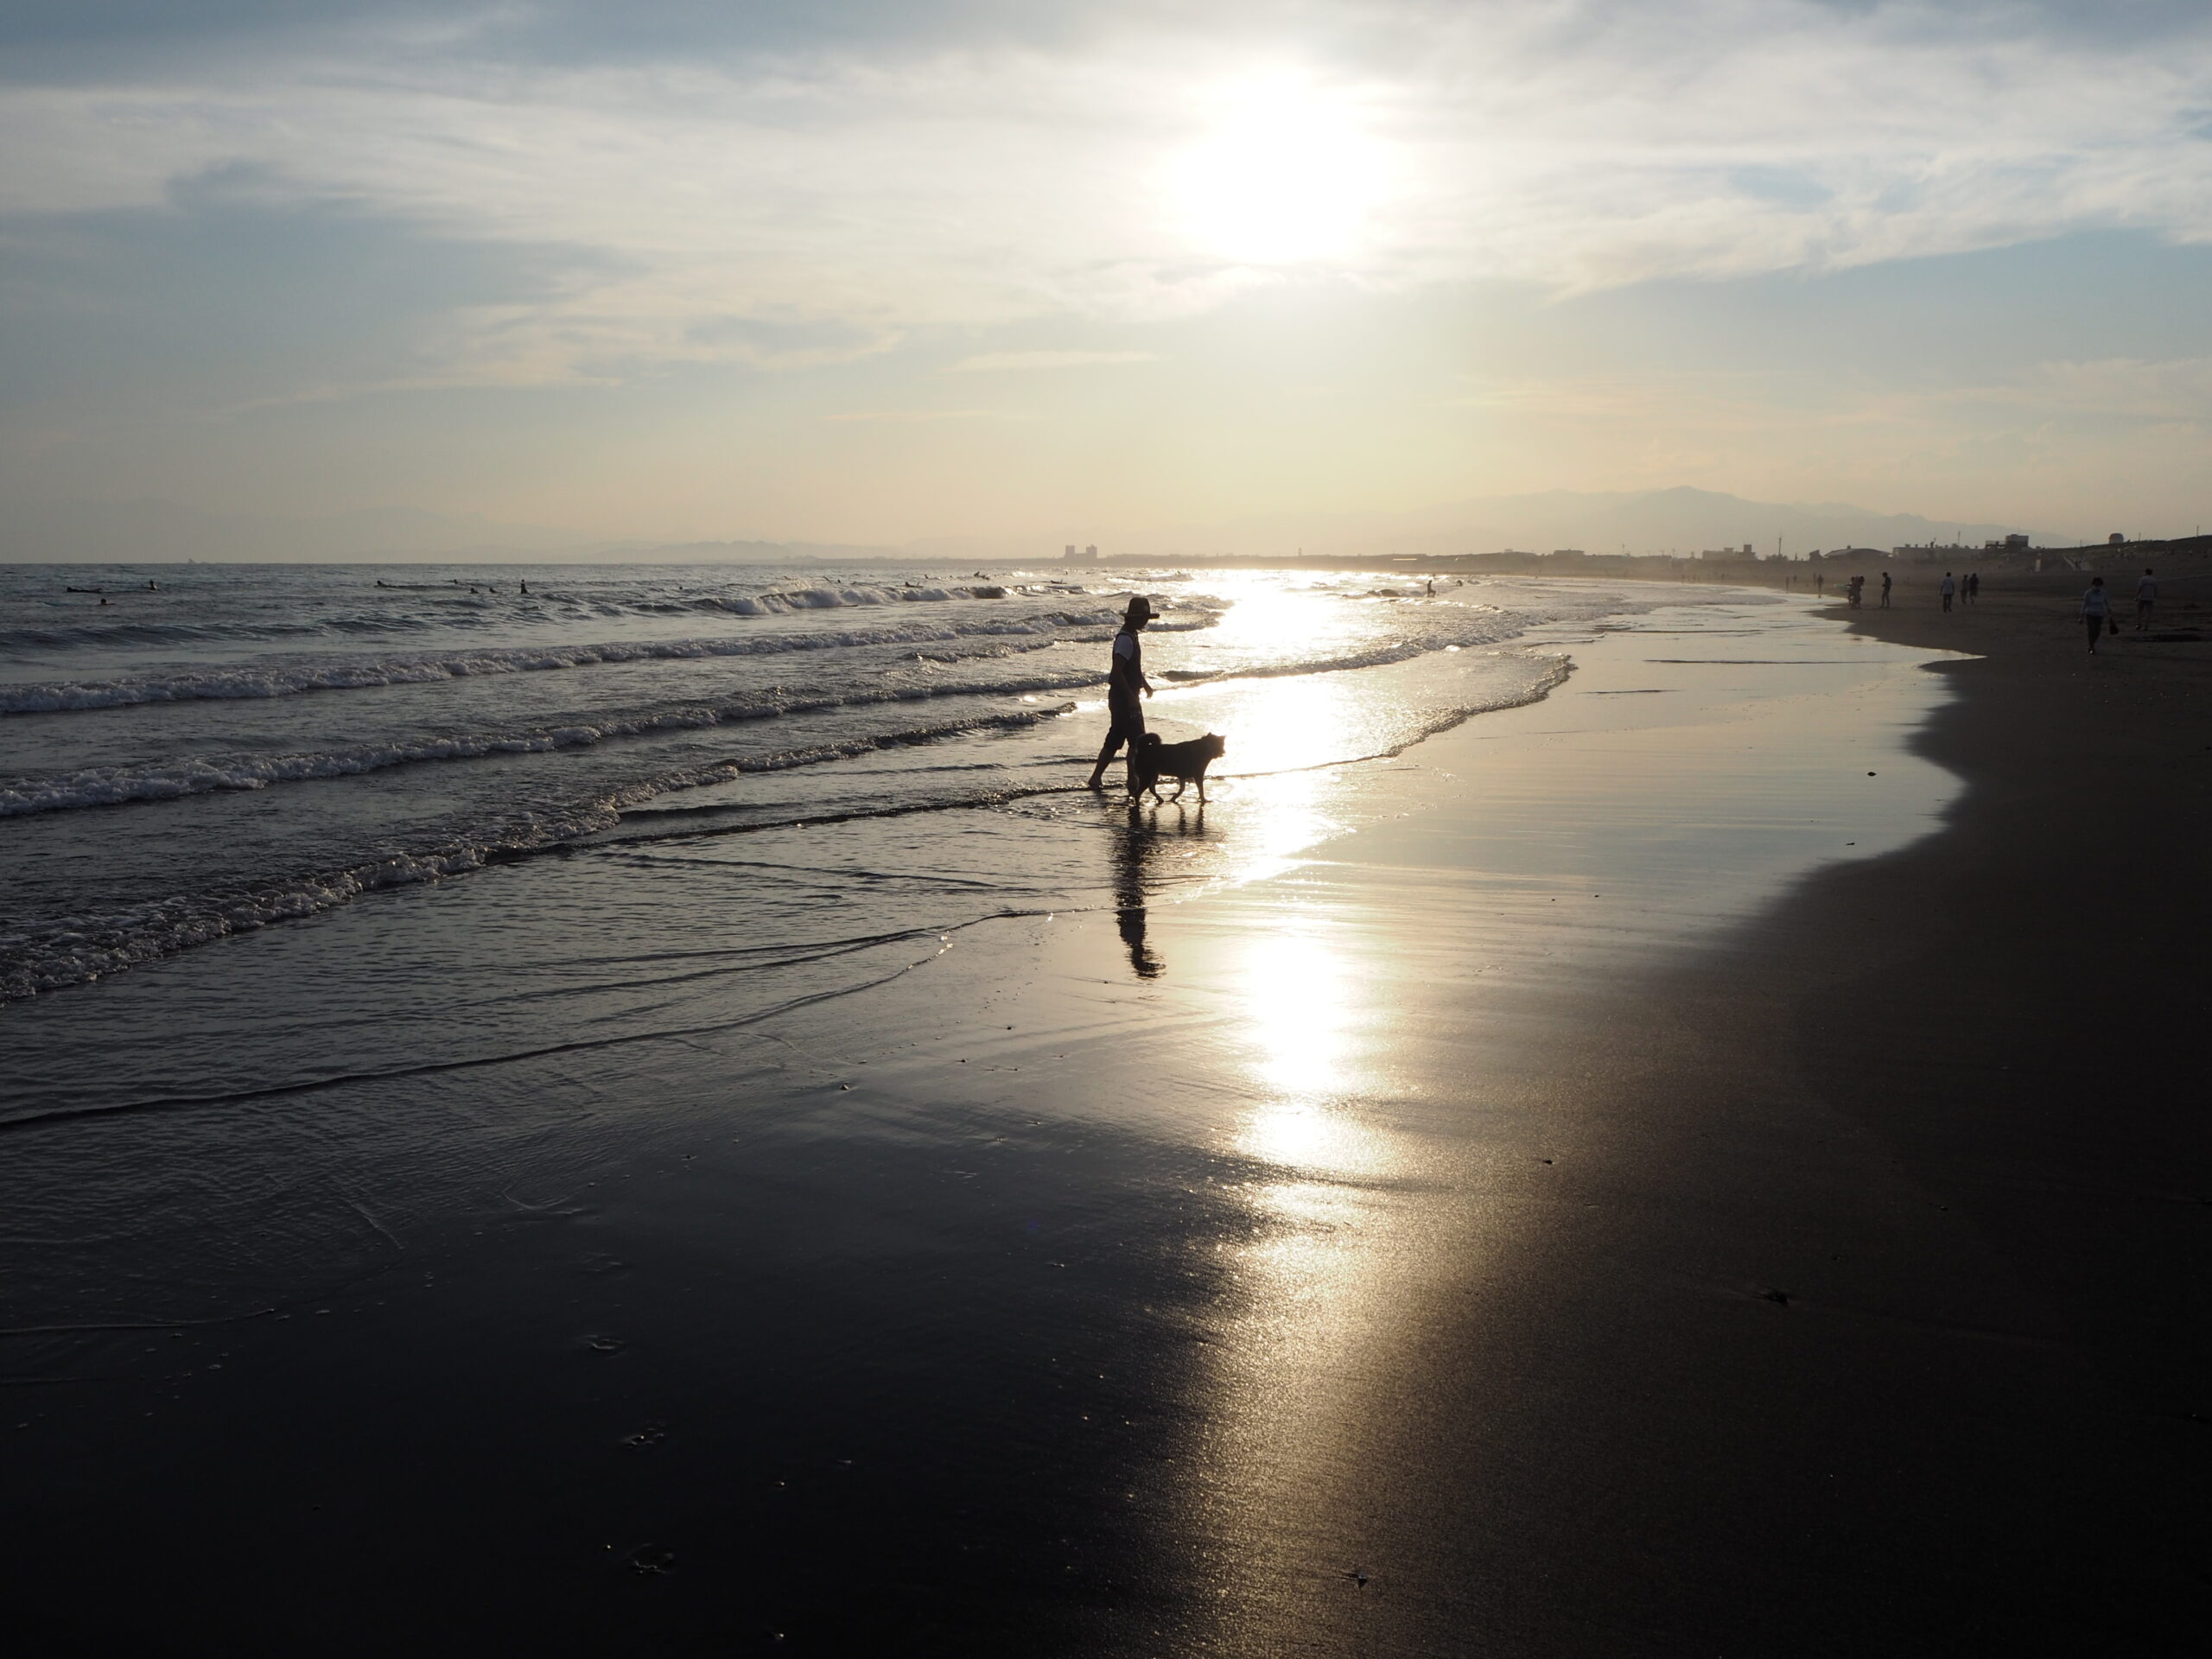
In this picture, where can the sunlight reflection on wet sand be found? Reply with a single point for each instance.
(1359, 1112)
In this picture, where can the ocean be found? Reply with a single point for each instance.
(216, 749)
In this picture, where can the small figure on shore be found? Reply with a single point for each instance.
(1821, 584)
(1856, 591)
(1125, 684)
(2146, 600)
(2096, 612)
(1947, 588)
(525, 587)
(1885, 590)
(1974, 586)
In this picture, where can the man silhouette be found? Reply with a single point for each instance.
(1125, 683)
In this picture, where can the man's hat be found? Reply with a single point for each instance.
(1138, 606)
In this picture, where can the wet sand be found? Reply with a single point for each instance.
(1848, 1292)
(1425, 1249)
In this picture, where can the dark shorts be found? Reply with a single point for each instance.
(1125, 725)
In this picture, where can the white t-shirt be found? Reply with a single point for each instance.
(1125, 646)
(2146, 589)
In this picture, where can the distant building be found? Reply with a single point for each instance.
(1071, 552)
(2114, 539)
(1089, 553)
(1746, 551)
(1568, 553)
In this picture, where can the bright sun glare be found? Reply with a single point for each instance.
(1285, 175)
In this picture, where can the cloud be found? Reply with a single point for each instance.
(997, 362)
(238, 288)
(915, 416)
(791, 186)
(2175, 391)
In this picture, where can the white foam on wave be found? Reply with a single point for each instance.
(290, 678)
(77, 949)
(200, 775)
(94, 787)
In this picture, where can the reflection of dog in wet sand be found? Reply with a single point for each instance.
(1150, 761)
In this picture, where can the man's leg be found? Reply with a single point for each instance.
(1111, 747)
(1128, 727)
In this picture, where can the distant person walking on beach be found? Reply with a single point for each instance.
(2096, 611)
(2146, 600)
(1821, 584)
(1947, 588)
(1125, 683)
(1855, 591)
(1885, 590)
(1973, 587)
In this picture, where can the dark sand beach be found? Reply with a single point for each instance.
(1573, 1215)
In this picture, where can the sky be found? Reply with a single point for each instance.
(881, 271)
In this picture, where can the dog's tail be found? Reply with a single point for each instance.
(1149, 741)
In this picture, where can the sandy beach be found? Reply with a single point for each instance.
(1708, 1162)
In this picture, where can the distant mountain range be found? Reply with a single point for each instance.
(1640, 521)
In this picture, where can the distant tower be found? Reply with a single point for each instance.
(1091, 552)
(1071, 551)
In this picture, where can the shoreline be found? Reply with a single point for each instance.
(1416, 1249)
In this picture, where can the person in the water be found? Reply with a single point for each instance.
(1125, 683)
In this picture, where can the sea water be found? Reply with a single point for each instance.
(219, 748)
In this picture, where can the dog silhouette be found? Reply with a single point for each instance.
(1150, 761)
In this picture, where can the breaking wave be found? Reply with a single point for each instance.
(285, 678)
(201, 775)
(76, 950)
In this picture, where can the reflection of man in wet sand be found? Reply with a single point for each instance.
(1129, 855)
(1125, 683)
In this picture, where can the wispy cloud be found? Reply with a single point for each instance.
(2171, 391)
(915, 416)
(787, 193)
(997, 362)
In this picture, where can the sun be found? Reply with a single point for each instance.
(1285, 176)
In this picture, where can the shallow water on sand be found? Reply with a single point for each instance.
(774, 1216)
(236, 747)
